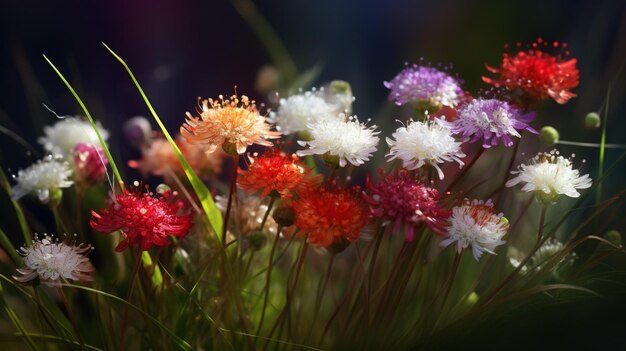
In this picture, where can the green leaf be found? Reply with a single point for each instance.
(93, 124)
(16, 321)
(18, 210)
(212, 212)
(157, 277)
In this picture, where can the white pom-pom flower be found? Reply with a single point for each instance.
(296, 112)
(549, 175)
(53, 261)
(62, 137)
(477, 225)
(42, 178)
(349, 141)
(421, 143)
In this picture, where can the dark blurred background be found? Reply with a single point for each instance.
(180, 50)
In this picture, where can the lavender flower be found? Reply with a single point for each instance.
(491, 120)
(424, 84)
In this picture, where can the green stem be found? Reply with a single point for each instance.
(268, 280)
(233, 186)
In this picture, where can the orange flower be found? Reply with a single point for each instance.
(276, 172)
(233, 124)
(330, 217)
(158, 158)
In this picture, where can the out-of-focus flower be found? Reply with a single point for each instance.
(90, 164)
(476, 224)
(549, 175)
(247, 214)
(349, 141)
(545, 253)
(329, 217)
(51, 261)
(537, 74)
(296, 112)
(425, 85)
(277, 174)
(400, 200)
(45, 179)
(143, 218)
(421, 143)
(62, 137)
(138, 131)
(158, 158)
(234, 124)
(491, 120)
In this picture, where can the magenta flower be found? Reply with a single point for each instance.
(400, 200)
(90, 163)
(491, 120)
(424, 84)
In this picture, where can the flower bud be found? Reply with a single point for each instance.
(614, 237)
(284, 216)
(257, 240)
(549, 135)
(230, 148)
(138, 131)
(592, 120)
(267, 79)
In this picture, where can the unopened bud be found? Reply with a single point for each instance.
(549, 135)
(284, 216)
(257, 240)
(592, 120)
(614, 237)
(138, 131)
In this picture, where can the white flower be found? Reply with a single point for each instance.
(296, 112)
(43, 177)
(247, 212)
(548, 250)
(478, 225)
(550, 175)
(62, 137)
(424, 142)
(52, 260)
(350, 141)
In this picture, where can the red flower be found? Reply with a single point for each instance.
(404, 201)
(276, 172)
(143, 219)
(538, 75)
(330, 217)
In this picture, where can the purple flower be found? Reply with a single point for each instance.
(491, 120)
(424, 84)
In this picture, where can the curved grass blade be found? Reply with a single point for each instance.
(16, 321)
(47, 338)
(8, 247)
(212, 212)
(18, 210)
(180, 342)
(93, 123)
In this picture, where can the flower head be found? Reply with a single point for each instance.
(143, 218)
(296, 112)
(400, 200)
(424, 84)
(62, 137)
(491, 120)
(349, 141)
(330, 217)
(549, 175)
(477, 224)
(537, 74)
(247, 214)
(233, 123)
(276, 172)
(421, 143)
(51, 261)
(158, 158)
(89, 164)
(44, 178)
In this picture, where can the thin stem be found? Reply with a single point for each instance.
(267, 213)
(233, 185)
(542, 219)
(130, 293)
(508, 169)
(268, 280)
(70, 315)
(321, 289)
(449, 283)
(465, 169)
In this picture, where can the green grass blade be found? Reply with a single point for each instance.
(18, 210)
(157, 277)
(602, 145)
(182, 343)
(93, 123)
(16, 321)
(212, 212)
(49, 339)
(10, 249)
